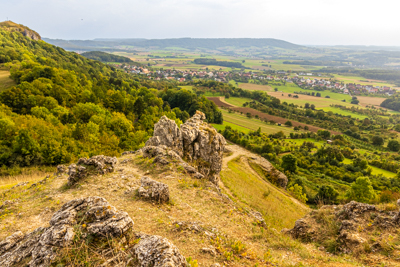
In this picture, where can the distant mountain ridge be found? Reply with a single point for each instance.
(187, 43)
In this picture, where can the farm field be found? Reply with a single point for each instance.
(233, 126)
(320, 102)
(361, 80)
(5, 80)
(254, 124)
(237, 101)
(244, 110)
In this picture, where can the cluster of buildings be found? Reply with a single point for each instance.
(281, 76)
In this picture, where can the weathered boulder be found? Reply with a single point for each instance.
(196, 142)
(153, 190)
(98, 216)
(351, 226)
(167, 133)
(97, 164)
(61, 169)
(94, 217)
(272, 174)
(157, 251)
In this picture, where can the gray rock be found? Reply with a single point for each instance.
(99, 217)
(153, 190)
(167, 133)
(61, 169)
(97, 164)
(196, 141)
(157, 251)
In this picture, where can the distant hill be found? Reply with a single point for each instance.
(12, 26)
(105, 57)
(187, 43)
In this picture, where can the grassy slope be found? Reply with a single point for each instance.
(279, 209)
(5, 80)
(191, 200)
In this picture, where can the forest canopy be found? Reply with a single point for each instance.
(65, 106)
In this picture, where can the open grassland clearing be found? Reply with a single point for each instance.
(248, 187)
(254, 124)
(5, 80)
(375, 170)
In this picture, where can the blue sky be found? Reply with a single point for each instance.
(319, 22)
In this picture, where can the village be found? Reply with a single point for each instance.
(319, 84)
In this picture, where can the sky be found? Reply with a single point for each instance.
(306, 22)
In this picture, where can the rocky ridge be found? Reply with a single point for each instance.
(350, 228)
(79, 219)
(195, 141)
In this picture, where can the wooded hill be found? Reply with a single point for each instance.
(66, 106)
(105, 57)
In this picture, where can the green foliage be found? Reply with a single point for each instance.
(289, 163)
(65, 106)
(327, 194)
(394, 145)
(210, 61)
(361, 190)
(297, 191)
(377, 140)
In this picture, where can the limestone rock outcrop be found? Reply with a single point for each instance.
(157, 251)
(356, 224)
(98, 216)
(153, 190)
(196, 142)
(98, 164)
(273, 175)
(95, 217)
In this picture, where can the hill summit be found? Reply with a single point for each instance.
(12, 26)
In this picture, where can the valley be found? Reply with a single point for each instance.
(226, 152)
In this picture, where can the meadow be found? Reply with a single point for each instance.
(253, 123)
(5, 80)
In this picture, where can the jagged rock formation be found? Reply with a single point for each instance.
(275, 176)
(196, 142)
(153, 190)
(92, 216)
(96, 213)
(355, 223)
(98, 164)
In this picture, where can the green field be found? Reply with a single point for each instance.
(233, 126)
(5, 80)
(237, 101)
(375, 170)
(361, 80)
(254, 124)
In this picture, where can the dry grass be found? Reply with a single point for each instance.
(5, 80)
(255, 87)
(238, 238)
(279, 209)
